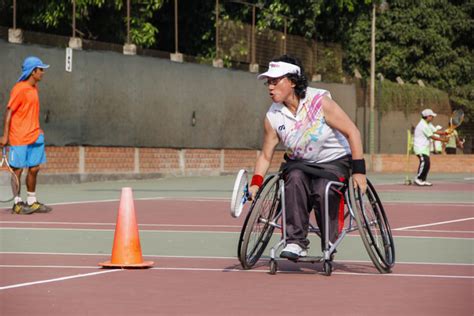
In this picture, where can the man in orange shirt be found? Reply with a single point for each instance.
(22, 131)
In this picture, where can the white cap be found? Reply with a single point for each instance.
(278, 69)
(428, 112)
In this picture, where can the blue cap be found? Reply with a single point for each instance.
(29, 65)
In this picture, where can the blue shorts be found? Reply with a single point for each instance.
(26, 156)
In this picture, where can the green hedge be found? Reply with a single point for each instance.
(329, 62)
(410, 98)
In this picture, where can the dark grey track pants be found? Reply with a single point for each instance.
(303, 193)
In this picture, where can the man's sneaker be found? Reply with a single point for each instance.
(428, 184)
(293, 252)
(419, 182)
(22, 209)
(40, 208)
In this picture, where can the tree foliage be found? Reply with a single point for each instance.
(95, 19)
(324, 20)
(429, 40)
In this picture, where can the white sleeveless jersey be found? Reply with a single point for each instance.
(306, 135)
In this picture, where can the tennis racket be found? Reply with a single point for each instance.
(456, 119)
(9, 184)
(240, 194)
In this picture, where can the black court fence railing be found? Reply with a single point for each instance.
(239, 43)
(31, 37)
(322, 61)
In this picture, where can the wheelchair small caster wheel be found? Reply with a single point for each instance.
(273, 267)
(327, 267)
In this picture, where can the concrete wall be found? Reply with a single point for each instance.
(391, 129)
(134, 101)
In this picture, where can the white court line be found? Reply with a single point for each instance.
(46, 266)
(221, 270)
(147, 231)
(430, 203)
(442, 231)
(426, 237)
(434, 224)
(410, 275)
(113, 224)
(213, 226)
(217, 199)
(55, 280)
(335, 272)
(218, 258)
(221, 199)
(191, 199)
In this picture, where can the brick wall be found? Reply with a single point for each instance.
(109, 159)
(168, 161)
(159, 160)
(61, 160)
(201, 161)
(439, 163)
(239, 159)
(457, 163)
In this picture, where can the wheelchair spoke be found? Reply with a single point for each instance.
(258, 228)
(373, 227)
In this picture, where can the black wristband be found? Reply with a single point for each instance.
(358, 166)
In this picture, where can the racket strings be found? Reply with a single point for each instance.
(457, 118)
(9, 183)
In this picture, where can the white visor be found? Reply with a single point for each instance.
(278, 69)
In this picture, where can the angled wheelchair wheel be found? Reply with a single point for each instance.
(373, 226)
(257, 231)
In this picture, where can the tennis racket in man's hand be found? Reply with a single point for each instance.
(456, 119)
(9, 184)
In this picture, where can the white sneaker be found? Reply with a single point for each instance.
(428, 184)
(419, 182)
(293, 252)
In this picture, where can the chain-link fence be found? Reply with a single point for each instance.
(322, 61)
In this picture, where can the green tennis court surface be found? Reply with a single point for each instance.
(48, 262)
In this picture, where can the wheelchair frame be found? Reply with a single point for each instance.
(361, 217)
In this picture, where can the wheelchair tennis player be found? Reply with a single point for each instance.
(321, 142)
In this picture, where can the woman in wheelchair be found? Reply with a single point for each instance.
(322, 144)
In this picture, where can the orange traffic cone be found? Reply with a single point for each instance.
(126, 252)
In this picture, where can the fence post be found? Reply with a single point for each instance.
(15, 35)
(253, 64)
(217, 62)
(74, 42)
(128, 47)
(177, 56)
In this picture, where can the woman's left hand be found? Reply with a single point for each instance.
(360, 181)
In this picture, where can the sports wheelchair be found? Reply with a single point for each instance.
(362, 212)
